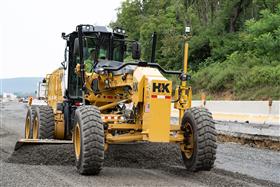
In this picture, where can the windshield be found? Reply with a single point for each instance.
(95, 48)
(104, 47)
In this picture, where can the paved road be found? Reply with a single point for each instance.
(126, 165)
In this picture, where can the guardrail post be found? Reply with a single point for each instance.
(269, 105)
(203, 99)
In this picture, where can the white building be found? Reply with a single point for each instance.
(9, 97)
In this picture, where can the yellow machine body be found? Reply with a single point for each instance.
(55, 88)
(130, 102)
(150, 94)
(153, 94)
(54, 96)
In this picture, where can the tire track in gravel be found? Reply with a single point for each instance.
(164, 158)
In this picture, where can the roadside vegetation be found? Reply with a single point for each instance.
(234, 44)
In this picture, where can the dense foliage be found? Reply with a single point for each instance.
(234, 44)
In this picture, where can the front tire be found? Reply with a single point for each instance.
(88, 138)
(199, 146)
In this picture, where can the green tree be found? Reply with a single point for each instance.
(229, 39)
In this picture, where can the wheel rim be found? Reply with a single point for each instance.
(188, 146)
(77, 141)
(27, 128)
(35, 128)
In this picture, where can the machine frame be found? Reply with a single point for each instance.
(116, 107)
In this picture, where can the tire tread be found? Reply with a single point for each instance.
(46, 123)
(206, 139)
(92, 134)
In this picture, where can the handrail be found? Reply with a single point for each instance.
(143, 64)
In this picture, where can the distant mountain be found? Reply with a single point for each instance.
(21, 86)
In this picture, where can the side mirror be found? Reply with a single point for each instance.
(65, 58)
(124, 47)
(63, 65)
(63, 35)
(136, 51)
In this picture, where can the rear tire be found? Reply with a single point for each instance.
(199, 132)
(43, 123)
(29, 122)
(88, 137)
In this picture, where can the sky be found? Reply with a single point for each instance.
(30, 32)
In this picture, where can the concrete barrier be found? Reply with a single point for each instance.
(261, 112)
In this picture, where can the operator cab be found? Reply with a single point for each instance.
(107, 45)
(109, 48)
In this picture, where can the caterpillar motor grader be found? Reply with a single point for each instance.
(117, 102)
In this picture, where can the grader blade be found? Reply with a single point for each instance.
(23, 142)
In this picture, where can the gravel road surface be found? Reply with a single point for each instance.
(141, 164)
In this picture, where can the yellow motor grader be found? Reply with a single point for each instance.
(96, 99)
